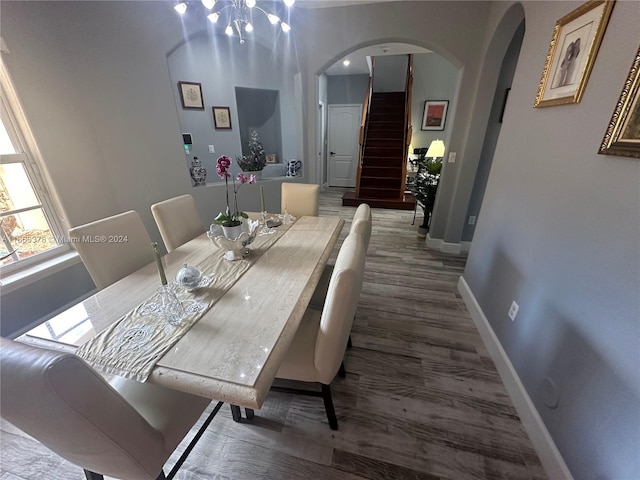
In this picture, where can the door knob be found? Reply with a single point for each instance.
(332, 153)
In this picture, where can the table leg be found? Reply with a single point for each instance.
(236, 413)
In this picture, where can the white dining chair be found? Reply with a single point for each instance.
(300, 199)
(113, 247)
(317, 350)
(178, 220)
(362, 223)
(123, 429)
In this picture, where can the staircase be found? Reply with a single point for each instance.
(381, 176)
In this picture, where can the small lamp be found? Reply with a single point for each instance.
(436, 149)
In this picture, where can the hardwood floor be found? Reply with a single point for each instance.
(421, 399)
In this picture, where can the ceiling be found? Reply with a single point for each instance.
(336, 3)
(358, 58)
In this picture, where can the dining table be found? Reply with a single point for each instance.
(233, 349)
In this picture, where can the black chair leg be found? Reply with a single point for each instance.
(236, 413)
(249, 412)
(328, 406)
(342, 372)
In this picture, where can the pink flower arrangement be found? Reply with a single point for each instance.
(229, 218)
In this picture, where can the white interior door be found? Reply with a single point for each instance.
(344, 128)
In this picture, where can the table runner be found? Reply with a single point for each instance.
(132, 346)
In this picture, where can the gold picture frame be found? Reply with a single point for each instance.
(574, 45)
(623, 133)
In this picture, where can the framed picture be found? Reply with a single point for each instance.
(572, 53)
(222, 118)
(191, 95)
(271, 158)
(435, 114)
(623, 133)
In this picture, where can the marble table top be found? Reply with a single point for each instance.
(233, 352)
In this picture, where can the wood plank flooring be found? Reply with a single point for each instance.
(421, 400)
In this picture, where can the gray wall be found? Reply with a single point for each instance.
(434, 78)
(343, 89)
(390, 73)
(493, 131)
(559, 232)
(221, 64)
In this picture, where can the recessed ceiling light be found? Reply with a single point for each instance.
(346, 63)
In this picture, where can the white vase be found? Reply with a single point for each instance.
(235, 247)
(232, 232)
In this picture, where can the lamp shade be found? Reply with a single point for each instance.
(436, 149)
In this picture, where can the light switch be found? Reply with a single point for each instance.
(211, 149)
(452, 157)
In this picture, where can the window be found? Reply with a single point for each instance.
(28, 226)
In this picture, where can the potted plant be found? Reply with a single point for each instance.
(231, 219)
(425, 188)
(256, 159)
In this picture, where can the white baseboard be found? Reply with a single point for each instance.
(447, 247)
(545, 447)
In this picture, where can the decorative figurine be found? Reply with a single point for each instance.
(198, 172)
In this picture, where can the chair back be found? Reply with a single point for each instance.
(339, 307)
(113, 247)
(300, 199)
(178, 220)
(363, 223)
(61, 401)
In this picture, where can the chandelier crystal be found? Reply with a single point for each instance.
(237, 14)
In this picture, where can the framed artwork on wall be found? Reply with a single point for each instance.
(272, 158)
(222, 118)
(623, 133)
(435, 114)
(191, 95)
(574, 45)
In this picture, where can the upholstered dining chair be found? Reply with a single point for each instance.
(317, 350)
(111, 248)
(178, 220)
(125, 429)
(362, 223)
(299, 199)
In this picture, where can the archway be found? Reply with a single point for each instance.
(452, 203)
(435, 78)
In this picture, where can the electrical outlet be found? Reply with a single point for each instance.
(513, 311)
(472, 220)
(212, 149)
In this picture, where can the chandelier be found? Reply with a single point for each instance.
(237, 14)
